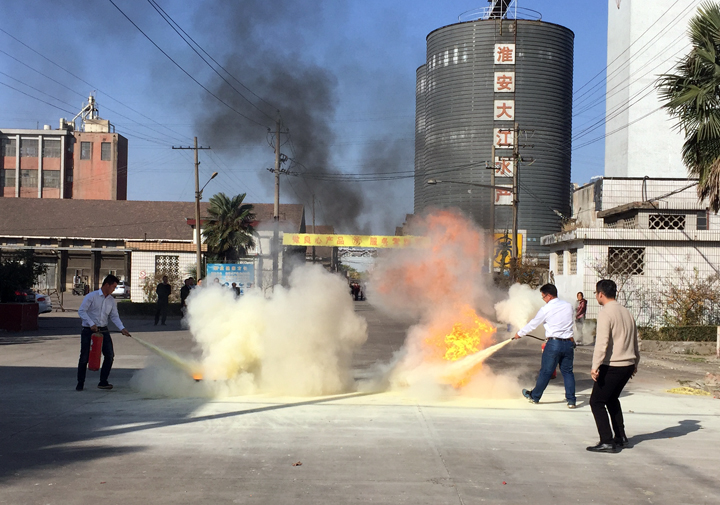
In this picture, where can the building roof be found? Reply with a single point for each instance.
(117, 219)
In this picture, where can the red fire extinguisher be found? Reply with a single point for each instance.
(95, 351)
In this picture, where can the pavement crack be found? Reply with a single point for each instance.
(431, 436)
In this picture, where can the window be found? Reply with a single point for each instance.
(7, 178)
(51, 178)
(702, 221)
(85, 150)
(167, 265)
(106, 151)
(560, 262)
(573, 262)
(667, 221)
(51, 148)
(28, 148)
(626, 260)
(8, 147)
(28, 178)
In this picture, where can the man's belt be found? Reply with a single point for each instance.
(556, 338)
(100, 328)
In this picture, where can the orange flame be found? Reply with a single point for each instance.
(197, 376)
(469, 335)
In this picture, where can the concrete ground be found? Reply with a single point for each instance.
(59, 446)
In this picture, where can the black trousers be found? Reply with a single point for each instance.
(107, 351)
(162, 308)
(605, 395)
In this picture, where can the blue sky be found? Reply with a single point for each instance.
(353, 61)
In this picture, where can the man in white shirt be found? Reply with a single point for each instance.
(96, 308)
(557, 317)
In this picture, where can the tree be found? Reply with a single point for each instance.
(691, 95)
(18, 271)
(230, 231)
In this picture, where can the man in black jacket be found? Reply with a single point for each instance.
(163, 299)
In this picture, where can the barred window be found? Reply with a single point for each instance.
(667, 221)
(28, 178)
(8, 147)
(85, 150)
(51, 148)
(28, 148)
(626, 260)
(7, 178)
(167, 265)
(106, 151)
(51, 178)
(702, 221)
(573, 262)
(560, 262)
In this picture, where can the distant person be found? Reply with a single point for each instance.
(95, 310)
(557, 317)
(185, 292)
(236, 289)
(580, 311)
(216, 281)
(163, 291)
(615, 361)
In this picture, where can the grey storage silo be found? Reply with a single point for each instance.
(459, 117)
(419, 136)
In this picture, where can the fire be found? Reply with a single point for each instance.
(469, 335)
(197, 376)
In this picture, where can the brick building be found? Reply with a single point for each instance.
(65, 163)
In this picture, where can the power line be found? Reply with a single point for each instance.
(185, 71)
(81, 80)
(173, 24)
(626, 50)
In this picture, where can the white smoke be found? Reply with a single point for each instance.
(520, 307)
(299, 341)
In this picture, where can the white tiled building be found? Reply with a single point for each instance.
(639, 229)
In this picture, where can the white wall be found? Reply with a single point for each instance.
(143, 262)
(649, 146)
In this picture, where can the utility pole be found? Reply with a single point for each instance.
(276, 209)
(198, 196)
(313, 229)
(491, 252)
(515, 200)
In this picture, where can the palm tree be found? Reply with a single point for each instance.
(230, 231)
(692, 95)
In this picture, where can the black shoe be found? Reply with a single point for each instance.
(622, 442)
(105, 386)
(603, 448)
(528, 394)
(80, 386)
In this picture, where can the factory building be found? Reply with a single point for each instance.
(88, 164)
(484, 77)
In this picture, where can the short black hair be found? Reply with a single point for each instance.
(111, 279)
(549, 289)
(607, 287)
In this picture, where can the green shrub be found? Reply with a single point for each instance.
(679, 333)
(130, 309)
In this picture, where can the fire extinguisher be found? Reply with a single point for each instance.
(96, 342)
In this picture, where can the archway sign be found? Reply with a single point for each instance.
(375, 241)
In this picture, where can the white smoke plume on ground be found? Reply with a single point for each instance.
(442, 285)
(297, 342)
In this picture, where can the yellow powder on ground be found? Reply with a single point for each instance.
(688, 391)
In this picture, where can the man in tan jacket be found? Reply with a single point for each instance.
(615, 361)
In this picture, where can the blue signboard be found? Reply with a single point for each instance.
(242, 274)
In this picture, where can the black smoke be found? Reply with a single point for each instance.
(306, 94)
